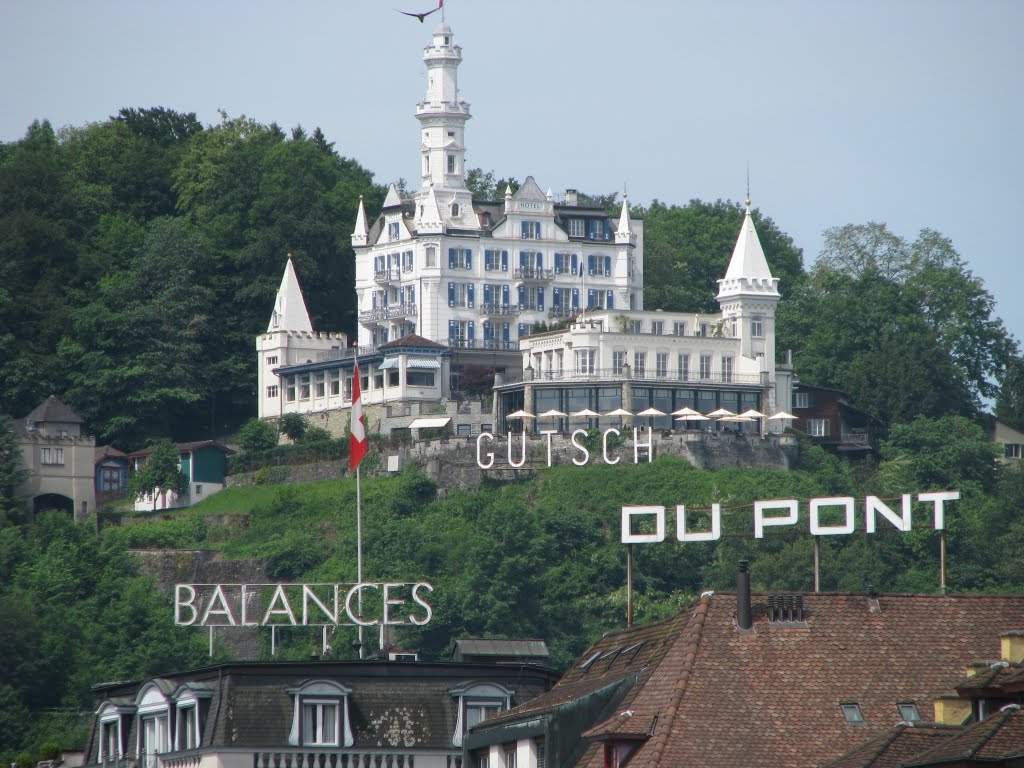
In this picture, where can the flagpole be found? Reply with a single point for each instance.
(359, 555)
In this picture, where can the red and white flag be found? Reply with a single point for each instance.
(357, 431)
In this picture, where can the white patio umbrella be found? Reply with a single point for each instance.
(554, 413)
(621, 413)
(693, 417)
(781, 416)
(587, 413)
(753, 414)
(520, 415)
(743, 419)
(651, 412)
(720, 413)
(686, 411)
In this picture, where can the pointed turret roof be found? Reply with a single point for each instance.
(361, 231)
(623, 233)
(290, 308)
(53, 410)
(429, 220)
(748, 257)
(393, 199)
(748, 270)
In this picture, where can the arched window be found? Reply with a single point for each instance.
(455, 209)
(114, 721)
(154, 712)
(190, 707)
(320, 715)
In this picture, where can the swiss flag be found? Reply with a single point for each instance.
(357, 432)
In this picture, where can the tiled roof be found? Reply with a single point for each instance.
(996, 677)
(188, 448)
(107, 451)
(52, 410)
(481, 646)
(993, 740)
(714, 696)
(412, 340)
(893, 748)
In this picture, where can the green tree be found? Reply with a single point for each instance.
(293, 425)
(1010, 401)
(881, 316)
(138, 353)
(11, 474)
(486, 187)
(257, 435)
(159, 475)
(687, 250)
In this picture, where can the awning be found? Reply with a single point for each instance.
(391, 362)
(423, 363)
(430, 422)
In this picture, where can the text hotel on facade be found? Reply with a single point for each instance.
(467, 280)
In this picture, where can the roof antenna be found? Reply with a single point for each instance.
(748, 185)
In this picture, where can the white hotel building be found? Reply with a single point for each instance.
(444, 282)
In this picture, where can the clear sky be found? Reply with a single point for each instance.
(903, 111)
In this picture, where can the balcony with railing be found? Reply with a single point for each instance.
(563, 311)
(535, 274)
(499, 310)
(645, 376)
(289, 757)
(384, 276)
(387, 313)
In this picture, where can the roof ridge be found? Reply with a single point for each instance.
(995, 723)
(693, 643)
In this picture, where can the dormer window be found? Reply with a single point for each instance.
(114, 721)
(190, 706)
(154, 711)
(455, 210)
(476, 703)
(320, 715)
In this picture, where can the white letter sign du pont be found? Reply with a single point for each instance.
(301, 605)
(780, 513)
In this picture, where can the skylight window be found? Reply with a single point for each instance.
(590, 661)
(908, 711)
(852, 713)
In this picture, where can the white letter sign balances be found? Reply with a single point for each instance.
(323, 605)
(937, 499)
(490, 454)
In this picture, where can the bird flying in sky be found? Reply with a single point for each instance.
(422, 16)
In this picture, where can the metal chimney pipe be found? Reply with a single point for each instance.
(743, 617)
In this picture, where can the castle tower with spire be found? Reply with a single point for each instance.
(478, 275)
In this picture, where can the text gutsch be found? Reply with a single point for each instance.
(485, 460)
(786, 512)
(302, 605)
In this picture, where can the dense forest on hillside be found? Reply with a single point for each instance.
(140, 256)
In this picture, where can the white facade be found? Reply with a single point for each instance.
(478, 276)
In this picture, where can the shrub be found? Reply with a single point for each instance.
(294, 426)
(257, 435)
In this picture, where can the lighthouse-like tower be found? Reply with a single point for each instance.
(442, 116)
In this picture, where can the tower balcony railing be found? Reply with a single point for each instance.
(402, 310)
(533, 273)
(373, 315)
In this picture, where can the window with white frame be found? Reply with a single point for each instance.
(639, 364)
(304, 386)
(154, 713)
(189, 706)
(272, 391)
(530, 230)
(320, 715)
(1013, 451)
(460, 258)
(757, 326)
(319, 385)
(618, 362)
(477, 703)
(394, 230)
(451, 163)
(509, 751)
(658, 327)
(636, 326)
(272, 360)
(586, 361)
(290, 389)
(113, 727)
(661, 365)
(818, 427)
(705, 366)
(726, 368)
(683, 366)
(802, 400)
(335, 383)
(431, 256)
(678, 328)
(577, 228)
